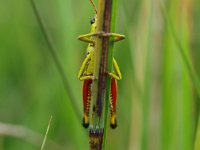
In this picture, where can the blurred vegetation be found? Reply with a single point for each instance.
(158, 104)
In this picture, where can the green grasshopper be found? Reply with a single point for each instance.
(87, 68)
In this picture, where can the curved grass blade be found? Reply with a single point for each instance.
(192, 73)
(52, 50)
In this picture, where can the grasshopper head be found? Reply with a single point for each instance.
(90, 48)
(93, 22)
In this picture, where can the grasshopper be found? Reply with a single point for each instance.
(86, 72)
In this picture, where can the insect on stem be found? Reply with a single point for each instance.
(100, 63)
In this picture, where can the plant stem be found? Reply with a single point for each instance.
(103, 65)
(187, 62)
(193, 75)
(46, 134)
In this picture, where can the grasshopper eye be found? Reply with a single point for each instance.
(92, 20)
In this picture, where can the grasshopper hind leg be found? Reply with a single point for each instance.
(113, 100)
(86, 101)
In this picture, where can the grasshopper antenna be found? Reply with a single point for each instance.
(95, 9)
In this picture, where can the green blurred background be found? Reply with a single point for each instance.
(157, 102)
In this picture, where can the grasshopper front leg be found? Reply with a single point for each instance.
(87, 38)
(117, 37)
